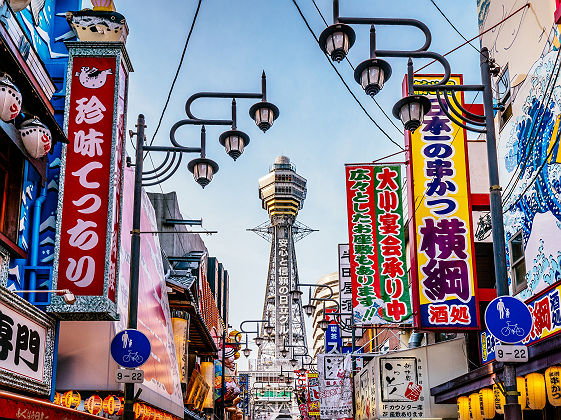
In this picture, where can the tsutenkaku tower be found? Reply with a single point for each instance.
(282, 193)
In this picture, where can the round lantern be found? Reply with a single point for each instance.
(499, 400)
(521, 388)
(111, 404)
(475, 407)
(553, 385)
(463, 408)
(94, 404)
(36, 137)
(71, 399)
(487, 403)
(535, 388)
(147, 413)
(10, 99)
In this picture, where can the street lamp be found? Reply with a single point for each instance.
(323, 324)
(308, 309)
(411, 112)
(258, 341)
(293, 361)
(203, 170)
(296, 295)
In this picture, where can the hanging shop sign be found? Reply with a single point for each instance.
(553, 385)
(345, 287)
(313, 394)
(377, 244)
(88, 221)
(336, 396)
(545, 309)
(26, 345)
(441, 228)
(197, 390)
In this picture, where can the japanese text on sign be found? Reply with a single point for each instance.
(377, 245)
(443, 273)
(91, 183)
(283, 275)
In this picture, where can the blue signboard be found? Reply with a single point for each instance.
(130, 348)
(508, 319)
(333, 340)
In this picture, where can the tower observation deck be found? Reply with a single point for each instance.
(282, 192)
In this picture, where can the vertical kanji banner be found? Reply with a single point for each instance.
(89, 215)
(442, 258)
(380, 287)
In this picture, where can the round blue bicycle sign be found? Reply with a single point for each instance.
(130, 348)
(508, 319)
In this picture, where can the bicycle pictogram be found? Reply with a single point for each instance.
(512, 329)
(133, 356)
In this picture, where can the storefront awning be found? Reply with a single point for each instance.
(14, 406)
(542, 355)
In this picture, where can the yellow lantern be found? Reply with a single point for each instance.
(487, 403)
(499, 400)
(521, 388)
(71, 399)
(463, 408)
(93, 405)
(535, 388)
(475, 407)
(111, 404)
(553, 385)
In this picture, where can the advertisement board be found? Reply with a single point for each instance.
(336, 396)
(380, 286)
(441, 228)
(86, 260)
(313, 394)
(27, 337)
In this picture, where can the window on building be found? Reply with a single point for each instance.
(11, 178)
(517, 263)
(503, 94)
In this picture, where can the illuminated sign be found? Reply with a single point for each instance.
(442, 258)
(378, 266)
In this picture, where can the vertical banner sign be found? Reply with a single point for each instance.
(88, 223)
(283, 283)
(442, 261)
(313, 394)
(380, 289)
(345, 288)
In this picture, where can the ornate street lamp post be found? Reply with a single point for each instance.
(203, 169)
(336, 41)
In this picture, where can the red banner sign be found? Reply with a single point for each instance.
(89, 225)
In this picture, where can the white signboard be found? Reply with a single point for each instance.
(511, 353)
(401, 386)
(129, 376)
(346, 292)
(336, 399)
(26, 345)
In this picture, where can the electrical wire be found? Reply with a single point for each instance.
(344, 82)
(177, 71)
(452, 25)
(391, 120)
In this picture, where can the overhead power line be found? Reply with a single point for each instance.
(453, 26)
(177, 71)
(343, 80)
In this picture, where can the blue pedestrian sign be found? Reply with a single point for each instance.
(508, 319)
(130, 348)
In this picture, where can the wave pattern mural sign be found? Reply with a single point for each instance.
(442, 259)
(380, 289)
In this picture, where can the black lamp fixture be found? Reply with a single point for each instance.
(323, 324)
(284, 352)
(336, 40)
(308, 309)
(372, 74)
(246, 352)
(293, 361)
(269, 329)
(296, 295)
(258, 341)
(411, 110)
(264, 113)
(234, 141)
(203, 169)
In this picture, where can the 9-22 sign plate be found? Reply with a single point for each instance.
(511, 353)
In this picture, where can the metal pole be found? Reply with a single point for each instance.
(512, 408)
(128, 412)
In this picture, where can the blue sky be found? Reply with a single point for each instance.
(320, 126)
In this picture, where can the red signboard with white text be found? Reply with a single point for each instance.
(88, 228)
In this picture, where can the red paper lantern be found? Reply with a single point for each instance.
(10, 99)
(111, 404)
(94, 404)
